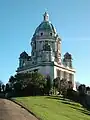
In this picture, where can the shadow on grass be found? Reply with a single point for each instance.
(60, 98)
(85, 111)
(55, 97)
(77, 107)
(65, 101)
(71, 103)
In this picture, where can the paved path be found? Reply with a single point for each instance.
(12, 111)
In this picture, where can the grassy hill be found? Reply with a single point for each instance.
(54, 108)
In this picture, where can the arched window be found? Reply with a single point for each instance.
(41, 34)
(51, 34)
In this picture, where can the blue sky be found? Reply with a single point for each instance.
(19, 19)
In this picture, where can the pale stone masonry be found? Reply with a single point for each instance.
(46, 54)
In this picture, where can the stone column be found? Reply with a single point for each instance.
(62, 76)
(67, 76)
(73, 78)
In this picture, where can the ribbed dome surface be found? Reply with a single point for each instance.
(45, 26)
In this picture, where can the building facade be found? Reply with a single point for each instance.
(46, 54)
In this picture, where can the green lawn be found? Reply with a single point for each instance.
(54, 108)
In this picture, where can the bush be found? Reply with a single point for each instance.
(73, 95)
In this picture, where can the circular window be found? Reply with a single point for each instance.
(41, 34)
(51, 34)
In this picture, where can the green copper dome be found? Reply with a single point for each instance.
(45, 26)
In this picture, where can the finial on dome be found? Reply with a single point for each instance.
(46, 16)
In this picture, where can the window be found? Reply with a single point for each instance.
(51, 34)
(41, 34)
(46, 41)
(35, 44)
(32, 53)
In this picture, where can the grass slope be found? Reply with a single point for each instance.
(54, 108)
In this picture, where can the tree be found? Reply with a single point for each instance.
(12, 80)
(82, 93)
(56, 84)
(87, 88)
(48, 84)
(33, 83)
(7, 88)
(3, 88)
(38, 82)
(63, 86)
(1, 85)
(17, 86)
(23, 78)
(82, 89)
(70, 85)
(77, 84)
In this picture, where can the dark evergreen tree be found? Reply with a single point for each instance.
(82, 93)
(0, 85)
(30, 83)
(63, 87)
(48, 84)
(7, 88)
(3, 88)
(82, 89)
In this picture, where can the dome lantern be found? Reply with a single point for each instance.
(45, 27)
(46, 16)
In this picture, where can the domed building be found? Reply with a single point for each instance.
(46, 54)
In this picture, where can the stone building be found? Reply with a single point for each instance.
(46, 54)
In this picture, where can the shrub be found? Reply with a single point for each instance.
(73, 95)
